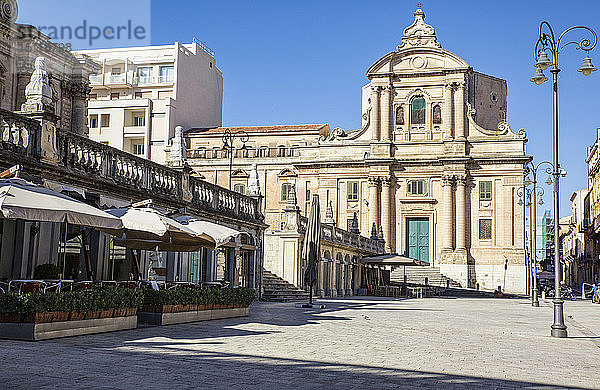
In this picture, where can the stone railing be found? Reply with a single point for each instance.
(248, 152)
(20, 135)
(88, 163)
(93, 158)
(336, 235)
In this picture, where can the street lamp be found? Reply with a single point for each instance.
(547, 44)
(536, 191)
(525, 192)
(229, 145)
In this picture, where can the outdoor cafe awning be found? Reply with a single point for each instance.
(219, 233)
(20, 199)
(393, 260)
(147, 228)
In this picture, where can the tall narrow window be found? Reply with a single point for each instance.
(485, 190)
(144, 75)
(352, 191)
(104, 120)
(94, 121)
(485, 229)
(417, 111)
(400, 115)
(437, 114)
(286, 191)
(167, 74)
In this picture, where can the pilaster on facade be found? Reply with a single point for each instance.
(448, 114)
(373, 184)
(459, 110)
(386, 113)
(461, 212)
(447, 217)
(376, 113)
(386, 209)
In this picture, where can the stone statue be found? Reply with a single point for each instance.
(329, 214)
(177, 151)
(38, 92)
(253, 183)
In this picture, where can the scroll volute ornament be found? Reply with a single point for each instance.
(8, 10)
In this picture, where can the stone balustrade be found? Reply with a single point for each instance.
(20, 135)
(248, 152)
(336, 235)
(96, 166)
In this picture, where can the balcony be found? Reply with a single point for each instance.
(129, 131)
(120, 79)
(96, 79)
(154, 80)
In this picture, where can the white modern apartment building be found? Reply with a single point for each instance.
(142, 93)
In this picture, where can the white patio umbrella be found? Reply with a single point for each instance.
(220, 234)
(20, 199)
(149, 229)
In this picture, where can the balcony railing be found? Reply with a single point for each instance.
(94, 165)
(248, 152)
(148, 80)
(96, 79)
(20, 136)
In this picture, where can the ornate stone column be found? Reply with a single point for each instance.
(459, 110)
(373, 202)
(386, 222)
(447, 117)
(446, 220)
(375, 114)
(386, 113)
(461, 212)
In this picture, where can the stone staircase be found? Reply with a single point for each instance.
(278, 290)
(419, 275)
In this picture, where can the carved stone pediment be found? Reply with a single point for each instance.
(419, 34)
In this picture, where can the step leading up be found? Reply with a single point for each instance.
(278, 290)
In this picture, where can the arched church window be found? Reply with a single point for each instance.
(437, 114)
(400, 116)
(417, 111)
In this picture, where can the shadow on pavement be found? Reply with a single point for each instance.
(169, 364)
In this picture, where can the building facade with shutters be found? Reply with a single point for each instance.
(139, 94)
(434, 170)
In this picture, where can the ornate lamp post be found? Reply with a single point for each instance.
(525, 192)
(547, 44)
(532, 168)
(229, 145)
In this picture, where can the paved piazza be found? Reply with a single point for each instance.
(363, 343)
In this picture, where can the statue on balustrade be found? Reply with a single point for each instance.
(253, 183)
(177, 155)
(38, 92)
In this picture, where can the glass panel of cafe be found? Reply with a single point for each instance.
(25, 245)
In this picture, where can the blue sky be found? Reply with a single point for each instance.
(287, 62)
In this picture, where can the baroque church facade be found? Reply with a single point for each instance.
(435, 169)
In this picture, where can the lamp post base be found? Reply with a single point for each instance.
(558, 328)
(535, 301)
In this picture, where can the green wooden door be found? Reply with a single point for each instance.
(418, 238)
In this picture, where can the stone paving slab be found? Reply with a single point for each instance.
(358, 343)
